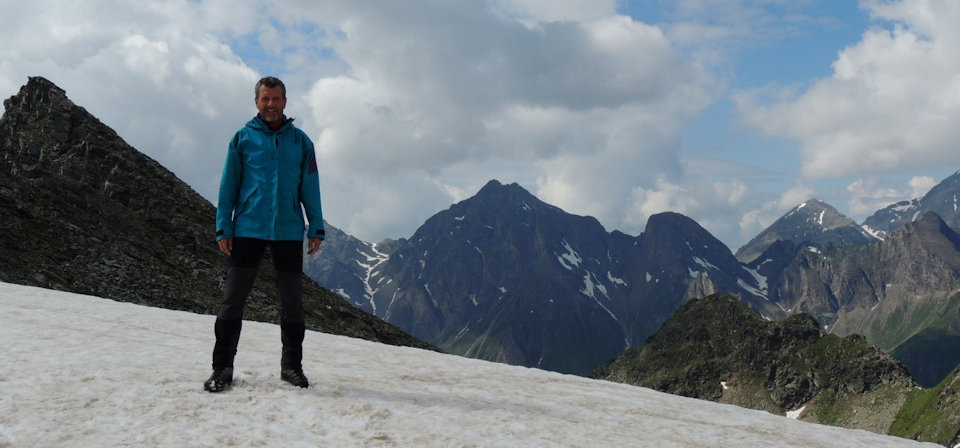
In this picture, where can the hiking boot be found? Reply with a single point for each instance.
(295, 377)
(219, 380)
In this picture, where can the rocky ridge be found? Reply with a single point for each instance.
(787, 365)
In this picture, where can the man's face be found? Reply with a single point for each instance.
(270, 103)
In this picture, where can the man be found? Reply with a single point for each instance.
(269, 179)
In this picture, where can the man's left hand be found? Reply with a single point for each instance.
(313, 245)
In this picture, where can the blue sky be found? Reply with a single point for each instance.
(730, 111)
(800, 47)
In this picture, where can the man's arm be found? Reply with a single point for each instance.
(229, 190)
(310, 191)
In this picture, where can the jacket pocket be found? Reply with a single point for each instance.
(245, 201)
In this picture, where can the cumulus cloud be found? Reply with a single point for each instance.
(891, 103)
(143, 69)
(415, 105)
(553, 11)
(717, 203)
(589, 109)
(920, 186)
(867, 195)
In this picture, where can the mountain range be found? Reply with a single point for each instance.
(506, 277)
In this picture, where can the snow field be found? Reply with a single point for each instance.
(82, 371)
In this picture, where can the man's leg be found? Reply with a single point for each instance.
(288, 262)
(241, 274)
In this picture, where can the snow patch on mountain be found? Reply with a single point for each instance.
(589, 288)
(570, 259)
(759, 280)
(706, 265)
(373, 261)
(591, 283)
(873, 232)
(616, 280)
(751, 289)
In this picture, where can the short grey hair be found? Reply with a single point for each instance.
(270, 82)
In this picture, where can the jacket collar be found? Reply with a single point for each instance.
(257, 123)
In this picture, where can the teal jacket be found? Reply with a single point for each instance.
(267, 176)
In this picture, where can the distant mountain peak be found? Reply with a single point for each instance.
(812, 221)
(494, 188)
(943, 199)
(813, 202)
(929, 227)
(498, 198)
(678, 227)
(494, 184)
(32, 94)
(819, 213)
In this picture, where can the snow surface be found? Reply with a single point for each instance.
(82, 371)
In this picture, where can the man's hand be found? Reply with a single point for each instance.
(313, 245)
(226, 245)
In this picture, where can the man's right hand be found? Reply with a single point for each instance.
(226, 245)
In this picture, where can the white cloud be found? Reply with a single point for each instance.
(867, 195)
(755, 220)
(553, 11)
(870, 195)
(152, 71)
(588, 109)
(891, 103)
(794, 196)
(715, 204)
(415, 105)
(921, 185)
(665, 196)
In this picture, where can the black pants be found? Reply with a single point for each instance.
(241, 275)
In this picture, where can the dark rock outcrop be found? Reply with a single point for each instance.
(717, 349)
